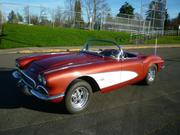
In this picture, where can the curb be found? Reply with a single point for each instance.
(151, 47)
(48, 50)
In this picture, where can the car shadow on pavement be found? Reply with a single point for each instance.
(11, 97)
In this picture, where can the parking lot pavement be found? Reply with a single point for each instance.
(132, 110)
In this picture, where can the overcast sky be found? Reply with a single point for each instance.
(172, 5)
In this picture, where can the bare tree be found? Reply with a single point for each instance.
(69, 4)
(58, 16)
(43, 16)
(34, 20)
(95, 8)
(89, 8)
(103, 7)
(27, 14)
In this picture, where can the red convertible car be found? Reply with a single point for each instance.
(74, 76)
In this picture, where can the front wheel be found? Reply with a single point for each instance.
(151, 75)
(78, 96)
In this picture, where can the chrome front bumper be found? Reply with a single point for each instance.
(30, 90)
(44, 97)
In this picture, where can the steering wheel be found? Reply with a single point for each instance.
(110, 53)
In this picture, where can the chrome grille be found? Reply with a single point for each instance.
(28, 80)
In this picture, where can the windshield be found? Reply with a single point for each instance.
(103, 48)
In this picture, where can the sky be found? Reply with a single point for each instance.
(172, 5)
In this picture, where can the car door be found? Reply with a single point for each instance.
(131, 69)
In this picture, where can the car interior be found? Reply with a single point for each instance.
(129, 55)
(114, 54)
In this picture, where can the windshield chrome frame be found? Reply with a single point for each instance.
(121, 52)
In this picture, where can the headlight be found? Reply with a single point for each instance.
(41, 79)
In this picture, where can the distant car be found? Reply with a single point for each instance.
(74, 76)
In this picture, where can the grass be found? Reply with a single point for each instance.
(16, 36)
(165, 40)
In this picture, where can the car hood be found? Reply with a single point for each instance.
(65, 60)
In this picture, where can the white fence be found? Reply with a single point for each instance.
(128, 24)
(58, 17)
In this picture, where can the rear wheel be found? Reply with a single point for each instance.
(78, 96)
(151, 75)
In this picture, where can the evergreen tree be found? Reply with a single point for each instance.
(126, 10)
(178, 16)
(167, 21)
(19, 17)
(78, 12)
(175, 22)
(156, 13)
(12, 17)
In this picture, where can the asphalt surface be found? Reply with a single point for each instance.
(132, 110)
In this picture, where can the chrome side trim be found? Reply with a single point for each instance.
(70, 66)
(43, 97)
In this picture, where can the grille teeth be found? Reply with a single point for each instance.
(28, 80)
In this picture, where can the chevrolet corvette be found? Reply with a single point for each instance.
(73, 77)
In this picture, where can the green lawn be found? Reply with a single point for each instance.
(165, 40)
(16, 36)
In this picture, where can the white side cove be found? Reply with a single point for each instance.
(108, 79)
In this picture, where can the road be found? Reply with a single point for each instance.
(132, 110)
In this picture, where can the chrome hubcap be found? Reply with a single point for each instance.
(79, 97)
(152, 74)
